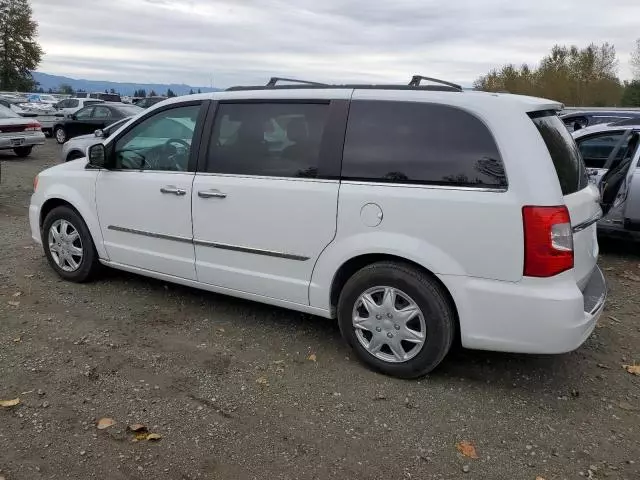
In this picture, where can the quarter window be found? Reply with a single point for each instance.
(411, 142)
(160, 142)
(101, 113)
(268, 139)
(84, 113)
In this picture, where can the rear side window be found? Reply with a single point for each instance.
(564, 152)
(410, 142)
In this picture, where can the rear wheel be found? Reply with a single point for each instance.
(397, 319)
(23, 152)
(60, 134)
(68, 245)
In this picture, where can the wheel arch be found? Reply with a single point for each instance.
(354, 264)
(55, 201)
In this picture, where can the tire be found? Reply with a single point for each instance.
(60, 134)
(413, 288)
(23, 152)
(74, 156)
(86, 265)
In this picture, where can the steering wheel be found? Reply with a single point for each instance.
(175, 155)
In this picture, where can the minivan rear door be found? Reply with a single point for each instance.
(580, 196)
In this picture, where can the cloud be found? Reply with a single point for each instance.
(231, 42)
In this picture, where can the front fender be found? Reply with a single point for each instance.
(82, 198)
(342, 250)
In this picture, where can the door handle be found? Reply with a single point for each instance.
(211, 194)
(174, 190)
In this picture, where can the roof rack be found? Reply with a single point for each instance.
(416, 79)
(274, 80)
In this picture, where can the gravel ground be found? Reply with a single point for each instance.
(242, 390)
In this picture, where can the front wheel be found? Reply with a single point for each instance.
(68, 245)
(23, 152)
(60, 134)
(397, 319)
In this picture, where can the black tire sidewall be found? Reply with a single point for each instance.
(438, 315)
(89, 255)
(23, 152)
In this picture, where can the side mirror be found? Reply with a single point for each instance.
(97, 156)
(73, 116)
(99, 133)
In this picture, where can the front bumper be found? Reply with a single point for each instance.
(17, 140)
(541, 316)
(34, 223)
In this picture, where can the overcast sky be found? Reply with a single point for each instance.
(247, 41)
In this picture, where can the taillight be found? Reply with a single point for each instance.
(548, 241)
(33, 127)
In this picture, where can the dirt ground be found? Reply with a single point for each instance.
(233, 389)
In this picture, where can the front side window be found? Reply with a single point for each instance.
(160, 142)
(73, 103)
(268, 139)
(412, 142)
(596, 149)
(84, 113)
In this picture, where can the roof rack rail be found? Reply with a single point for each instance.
(416, 79)
(274, 81)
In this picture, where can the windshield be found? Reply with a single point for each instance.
(563, 150)
(6, 113)
(129, 110)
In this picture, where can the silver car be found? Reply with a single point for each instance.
(607, 150)
(77, 146)
(19, 134)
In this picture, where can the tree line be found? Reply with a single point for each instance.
(574, 76)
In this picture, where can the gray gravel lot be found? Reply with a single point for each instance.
(230, 387)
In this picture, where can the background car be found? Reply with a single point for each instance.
(77, 147)
(603, 148)
(42, 98)
(107, 97)
(92, 118)
(72, 105)
(578, 119)
(149, 101)
(18, 133)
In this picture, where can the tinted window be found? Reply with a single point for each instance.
(100, 112)
(596, 149)
(72, 103)
(160, 142)
(84, 113)
(128, 110)
(407, 142)
(279, 139)
(564, 152)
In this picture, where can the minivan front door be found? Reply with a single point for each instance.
(262, 211)
(144, 202)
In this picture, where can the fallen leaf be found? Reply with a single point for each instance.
(154, 437)
(221, 330)
(467, 449)
(17, 339)
(105, 423)
(632, 369)
(137, 427)
(262, 381)
(539, 478)
(13, 303)
(312, 357)
(17, 294)
(9, 403)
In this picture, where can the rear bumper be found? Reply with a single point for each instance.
(36, 138)
(541, 316)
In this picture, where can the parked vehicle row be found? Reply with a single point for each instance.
(578, 119)
(338, 201)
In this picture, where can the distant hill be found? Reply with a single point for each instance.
(47, 81)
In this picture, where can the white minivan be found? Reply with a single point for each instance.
(413, 214)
